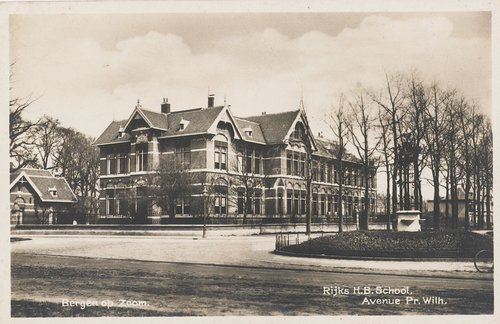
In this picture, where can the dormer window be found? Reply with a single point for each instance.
(53, 191)
(120, 132)
(248, 131)
(183, 124)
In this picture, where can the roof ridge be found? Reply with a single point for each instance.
(243, 118)
(273, 114)
(194, 109)
(156, 112)
(185, 110)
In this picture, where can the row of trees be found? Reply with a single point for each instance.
(46, 144)
(410, 122)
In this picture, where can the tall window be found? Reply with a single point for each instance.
(302, 164)
(280, 203)
(220, 157)
(296, 163)
(322, 172)
(289, 158)
(183, 156)
(329, 173)
(111, 164)
(257, 159)
(289, 198)
(220, 203)
(110, 202)
(257, 202)
(315, 170)
(303, 202)
(241, 202)
(122, 163)
(315, 204)
(248, 161)
(296, 198)
(141, 158)
(240, 163)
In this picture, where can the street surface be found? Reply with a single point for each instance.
(227, 276)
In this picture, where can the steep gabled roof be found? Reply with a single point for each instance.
(275, 127)
(257, 134)
(157, 120)
(42, 181)
(110, 134)
(327, 148)
(200, 120)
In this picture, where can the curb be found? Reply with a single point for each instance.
(361, 258)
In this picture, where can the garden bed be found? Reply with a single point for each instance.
(442, 244)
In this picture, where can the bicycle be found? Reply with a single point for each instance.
(483, 261)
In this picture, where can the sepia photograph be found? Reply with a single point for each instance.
(208, 162)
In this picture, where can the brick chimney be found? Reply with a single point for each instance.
(211, 99)
(165, 106)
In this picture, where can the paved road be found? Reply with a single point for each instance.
(231, 250)
(230, 276)
(194, 289)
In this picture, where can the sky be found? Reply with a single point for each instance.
(87, 70)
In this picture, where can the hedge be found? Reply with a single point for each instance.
(441, 244)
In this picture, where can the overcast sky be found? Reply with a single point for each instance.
(90, 69)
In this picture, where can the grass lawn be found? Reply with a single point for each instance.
(442, 244)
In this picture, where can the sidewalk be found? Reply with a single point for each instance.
(239, 251)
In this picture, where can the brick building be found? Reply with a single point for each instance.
(222, 149)
(37, 197)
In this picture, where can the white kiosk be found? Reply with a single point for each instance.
(408, 221)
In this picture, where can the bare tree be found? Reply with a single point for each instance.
(361, 126)
(418, 102)
(21, 141)
(436, 125)
(46, 140)
(465, 115)
(338, 125)
(170, 185)
(386, 152)
(392, 104)
(453, 139)
(248, 175)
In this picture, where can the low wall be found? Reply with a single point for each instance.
(181, 230)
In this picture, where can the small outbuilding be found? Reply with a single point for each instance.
(38, 197)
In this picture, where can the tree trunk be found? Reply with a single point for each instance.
(447, 207)
(367, 199)
(388, 198)
(437, 202)
(341, 198)
(479, 209)
(308, 190)
(488, 205)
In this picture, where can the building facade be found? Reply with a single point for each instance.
(37, 197)
(253, 166)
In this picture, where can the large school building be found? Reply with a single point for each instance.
(223, 151)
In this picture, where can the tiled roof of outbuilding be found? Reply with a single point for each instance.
(42, 181)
